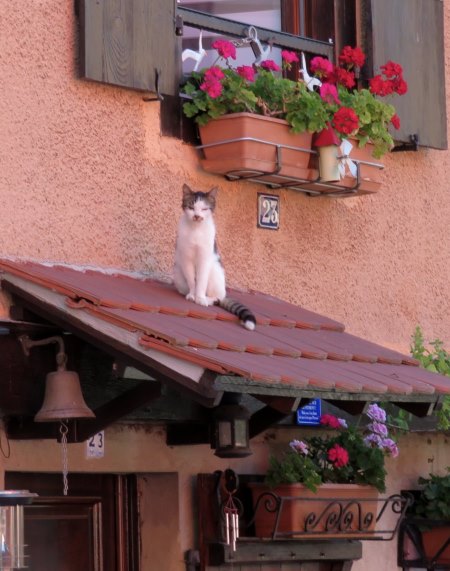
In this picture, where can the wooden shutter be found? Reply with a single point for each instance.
(130, 43)
(411, 32)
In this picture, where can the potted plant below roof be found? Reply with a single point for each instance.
(274, 117)
(429, 523)
(338, 478)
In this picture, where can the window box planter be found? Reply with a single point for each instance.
(334, 511)
(246, 144)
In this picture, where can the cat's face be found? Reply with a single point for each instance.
(197, 205)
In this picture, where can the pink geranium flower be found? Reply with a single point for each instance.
(270, 65)
(246, 72)
(225, 49)
(321, 67)
(289, 57)
(211, 84)
(329, 93)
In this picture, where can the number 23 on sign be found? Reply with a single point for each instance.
(95, 445)
(268, 211)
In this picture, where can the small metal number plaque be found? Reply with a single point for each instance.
(95, 445)
(268, 211)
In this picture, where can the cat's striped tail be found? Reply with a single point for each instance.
(247, 318)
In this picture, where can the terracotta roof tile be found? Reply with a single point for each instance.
(291, 346)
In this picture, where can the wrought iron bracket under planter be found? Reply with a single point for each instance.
(283, 176)
(368, 518)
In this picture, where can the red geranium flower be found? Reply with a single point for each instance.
(345, 121)
(395, 121)
(391, 69)
(352, 56)
(400, 86)
(330, 420)
(380, 86)
(338, 456)
(343, 77)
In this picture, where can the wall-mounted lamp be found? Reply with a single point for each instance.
(63, 398)
(12, 546)
(231, 434)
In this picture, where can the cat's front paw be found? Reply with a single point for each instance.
(190, 297)
(202, 300)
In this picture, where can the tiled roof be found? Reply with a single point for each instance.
(292, 348)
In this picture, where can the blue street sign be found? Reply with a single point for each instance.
(310, 414)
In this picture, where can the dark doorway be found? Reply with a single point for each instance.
(94, 528)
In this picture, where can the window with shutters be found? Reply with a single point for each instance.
(138, 44)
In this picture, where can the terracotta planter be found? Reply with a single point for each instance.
(243, 156)
(336, 510)
(433, 540)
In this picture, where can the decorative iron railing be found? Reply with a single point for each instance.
(375, 518)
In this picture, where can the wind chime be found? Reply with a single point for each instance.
(231, 507)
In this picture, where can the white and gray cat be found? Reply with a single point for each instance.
(198, 272)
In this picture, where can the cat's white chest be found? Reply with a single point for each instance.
(196, 239)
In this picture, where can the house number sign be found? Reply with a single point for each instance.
(268, 211)
(95, 445)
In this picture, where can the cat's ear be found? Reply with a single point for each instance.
(186, 190)
(213, 192)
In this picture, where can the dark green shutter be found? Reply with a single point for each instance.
(411, 32)
(130, 43)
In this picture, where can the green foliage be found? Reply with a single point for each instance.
(374, 119)
(269, 94)
(434, 499)
(291, 469)
(437, 360)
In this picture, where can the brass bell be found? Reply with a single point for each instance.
(63, 398)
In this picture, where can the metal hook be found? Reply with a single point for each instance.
(252, 33)
(260, 53)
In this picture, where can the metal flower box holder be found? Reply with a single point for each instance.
(275, 179)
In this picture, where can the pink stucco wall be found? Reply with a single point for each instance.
(86, 178)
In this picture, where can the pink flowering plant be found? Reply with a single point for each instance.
(260, 89)
(351, 455)
(365, 114)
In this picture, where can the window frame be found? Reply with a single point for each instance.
(173, 122)
(236, 29)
